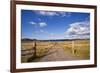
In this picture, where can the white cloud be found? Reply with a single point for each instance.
(38, 24)
(48, 13)
(53, 13)
(78, 30)
(45, 32)
(33, 23)
(42, 24)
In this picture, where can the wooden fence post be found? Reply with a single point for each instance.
(34, 49)
(72, 47)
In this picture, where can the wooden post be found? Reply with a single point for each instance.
(72, 47)
(34, 49)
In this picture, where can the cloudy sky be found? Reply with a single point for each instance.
(54, 25)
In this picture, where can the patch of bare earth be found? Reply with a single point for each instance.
(57, 53)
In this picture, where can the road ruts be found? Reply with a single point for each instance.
(57, 53)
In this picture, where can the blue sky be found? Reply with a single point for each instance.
(54, 25)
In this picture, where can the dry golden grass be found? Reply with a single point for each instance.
(43, 47)
(81, 48)
(26, 45)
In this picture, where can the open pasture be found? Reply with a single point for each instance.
(77, 48)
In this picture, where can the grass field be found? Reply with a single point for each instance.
(79, 48)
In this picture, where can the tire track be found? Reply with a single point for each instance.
(58, 54)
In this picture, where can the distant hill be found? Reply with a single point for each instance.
(27, 39)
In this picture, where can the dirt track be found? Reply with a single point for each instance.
(57, 53)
